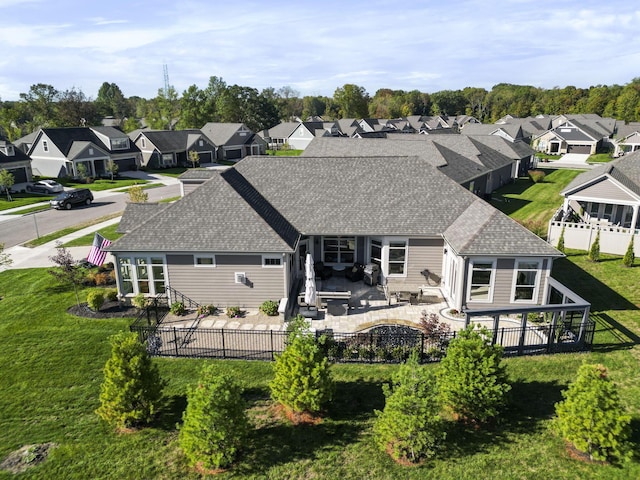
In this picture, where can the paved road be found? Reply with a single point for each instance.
(17, 229)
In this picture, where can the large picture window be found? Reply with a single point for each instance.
(526, 281)
(142, 275)
(481, 284)
(339, 249)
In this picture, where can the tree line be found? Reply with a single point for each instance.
(45, 106)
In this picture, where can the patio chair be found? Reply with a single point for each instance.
(355, 273)
(322, 271)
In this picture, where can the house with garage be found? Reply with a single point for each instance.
(297, 135)
(170, 148)
(605, 200)
(399, 213)
(59, 152)
(16, 162)
(627, 139)
(234, 141)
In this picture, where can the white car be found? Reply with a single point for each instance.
(45, 186)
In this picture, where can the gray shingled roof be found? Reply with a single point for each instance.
(198, 174)
(138, 213)
(220, 133)
(282, 130)
(625, 170)
(172, 140)
(483, 230)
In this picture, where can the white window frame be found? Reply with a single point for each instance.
(267, 258)
(536, 286)
(204, 265)
(124, 143)
(45, 146)
(389, 262)
(132, 263)
(492, 280)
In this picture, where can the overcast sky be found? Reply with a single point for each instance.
(316, 46)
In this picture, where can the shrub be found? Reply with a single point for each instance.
(409, 427)
(111, 295)
(140, 301)
(233, 312)
(536, 176)
(95, 299)
(177, 308)
(302, 379)
(102, 278)
(269, 307)
(132, 388)
(207, 309)
(591, 417)
(594, 251)
(215, 423)
(560, 245)
(629, 255)
(435, 332)
(471, 379)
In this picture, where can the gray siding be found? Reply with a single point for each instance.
(216, 285)
(424, 254)
(503, 281)
(605, 189)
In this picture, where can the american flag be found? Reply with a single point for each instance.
(97, 254)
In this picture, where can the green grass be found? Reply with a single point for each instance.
(22, 200)
(104, 184)
(285, 153)
(51, 364)
(36, 209)
(86, 240)
(144, 187)
(169, 172)
(534, 203)
(66, 231)
(600, 158)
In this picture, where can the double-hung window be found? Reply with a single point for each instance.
(397, 257)
(525, 285)
(481, 284)
(142, 275)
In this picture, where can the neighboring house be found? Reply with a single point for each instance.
(627, 139)
(480, 164)
(234, 140)
(348, 127)
(568, 137)
(297, 135)
(169, 148)
(16, 162)
(605, 199)
(400, 213)
(57, 152)
(511, 132)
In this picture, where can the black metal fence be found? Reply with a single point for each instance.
(363, 347)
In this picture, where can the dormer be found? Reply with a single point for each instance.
(7, 149)
(120, 143)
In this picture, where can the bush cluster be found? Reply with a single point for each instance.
(269, 307)
(536, 176)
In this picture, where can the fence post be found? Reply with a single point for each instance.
(175, 338)
(271, 337)
(224, 353)
(370, 347)
(422, 347)
(523, 326)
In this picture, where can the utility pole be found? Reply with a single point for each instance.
(165, 70)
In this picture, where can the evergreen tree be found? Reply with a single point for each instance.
(132, 388)
(591, 416)
(594, 251)
(302, 379)
(215, 422)
(472, 380)
(629, 255)
(560, 245)
(409, 427)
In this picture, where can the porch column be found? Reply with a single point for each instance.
(634, 219)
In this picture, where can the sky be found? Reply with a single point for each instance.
(315, 47)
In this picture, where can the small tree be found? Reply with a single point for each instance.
(6, 182)
(112, 168)
(81, 170)
(68, 270)
(137, 194)
(594, 251)
(95, 299)
(194, 157)
(472, 380)
(591, 416)
(302, 380)
(215, 423)
(132, 388)
(409, 427)
(560, 245)
(629, 255)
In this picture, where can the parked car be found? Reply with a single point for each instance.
(45, 186)
(77, 196)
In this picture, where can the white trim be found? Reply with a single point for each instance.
(272, 257)
(492, 280)
(240, 277)
(387, 247)
(536, 286)
(204, 265)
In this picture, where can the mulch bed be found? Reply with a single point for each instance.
(26, 457)
(111, 309)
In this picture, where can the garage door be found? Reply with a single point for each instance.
(234, 154)
(579, 149)
(125, 164)
(205, 157)
(19, 174)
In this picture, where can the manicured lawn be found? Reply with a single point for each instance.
(600, 158)
(104, 184)
(169, 172)
(534, 203)
(22, 199)
(51, 364)
(66, 231)
(107, 232)
(285, 153)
